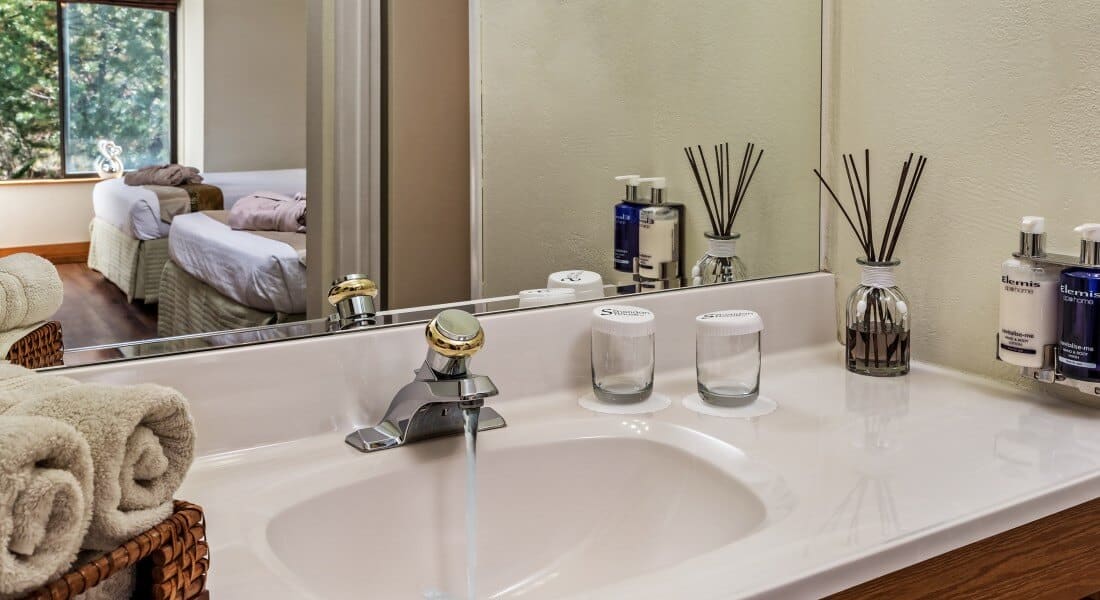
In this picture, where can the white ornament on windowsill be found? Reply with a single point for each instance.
(109, 164)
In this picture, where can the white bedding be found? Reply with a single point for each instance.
(255, 271)
(136, 211)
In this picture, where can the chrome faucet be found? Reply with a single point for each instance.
(352, 299)
(433, 404)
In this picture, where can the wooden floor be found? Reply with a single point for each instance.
(96, 312)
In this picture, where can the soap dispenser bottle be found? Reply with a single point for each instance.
(1029, 300)
(1079, 335)
(660, 235)
(626, 225)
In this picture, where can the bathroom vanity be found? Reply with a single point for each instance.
(322, 478)
(852, 484)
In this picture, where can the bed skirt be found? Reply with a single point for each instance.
(188, 305)
(131, 264)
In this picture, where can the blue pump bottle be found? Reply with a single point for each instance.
(1079, 296)
(626, 225)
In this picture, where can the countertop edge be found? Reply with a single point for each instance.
(845, 574)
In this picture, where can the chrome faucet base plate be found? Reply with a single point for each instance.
(386, 436)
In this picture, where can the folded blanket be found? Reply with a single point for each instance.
(171, 174)
(188, 198)
(45, 500)
(204, 196)
(269, 211)
(173, 201)
(141, 438)
(30, 293)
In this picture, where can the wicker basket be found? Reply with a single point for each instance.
(172, 562)
(40, 348)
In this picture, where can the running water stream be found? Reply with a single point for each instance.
(470, 418)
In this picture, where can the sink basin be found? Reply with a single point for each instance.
(558, 514)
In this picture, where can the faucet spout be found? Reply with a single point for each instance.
(432, 405)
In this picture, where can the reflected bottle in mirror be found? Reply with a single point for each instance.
(723, 200)
(720, 263)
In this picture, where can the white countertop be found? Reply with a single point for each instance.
(878, 474)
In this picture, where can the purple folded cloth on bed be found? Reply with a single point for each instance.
(269, 211)
(169, 175)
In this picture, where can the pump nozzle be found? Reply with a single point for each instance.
(1089, 231)
(658, 185)
(1032, 237)
(1090, 243)
(1033, 225)
(631, 187)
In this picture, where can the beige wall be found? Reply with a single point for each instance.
(255, 82)
(37, 214)
(575, 93)
(1003, 98)
(428, 154)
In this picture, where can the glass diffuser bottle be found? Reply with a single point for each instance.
(720, 263)
(877, 323)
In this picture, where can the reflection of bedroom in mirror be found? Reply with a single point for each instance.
(479, 154)
(154, 150)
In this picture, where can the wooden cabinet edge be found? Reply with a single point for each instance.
(1054, 557)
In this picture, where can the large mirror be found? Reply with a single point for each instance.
(488, 154)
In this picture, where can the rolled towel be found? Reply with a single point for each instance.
(141, 438)
(30, 293)
(45, 500)
(269, 211)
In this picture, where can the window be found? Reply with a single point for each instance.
(74, 73)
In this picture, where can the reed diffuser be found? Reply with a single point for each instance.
(877, 313)
(720, 263)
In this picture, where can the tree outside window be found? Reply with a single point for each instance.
(108, 75)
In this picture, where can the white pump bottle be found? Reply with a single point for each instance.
(659, 234)
(1029, 300)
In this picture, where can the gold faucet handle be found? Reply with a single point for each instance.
(351, 286)
(455, 334)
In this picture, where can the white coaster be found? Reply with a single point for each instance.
(759, 407)
(655, 402)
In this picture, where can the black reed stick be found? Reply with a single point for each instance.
(723, 206)
(699, 182)
(859, 235)
(856, 203)
(876, 248)
(894, 206)
(737, 207)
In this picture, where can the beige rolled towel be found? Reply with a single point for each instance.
(141, 438)
(45, 500)
(30, 293)
(30, 290)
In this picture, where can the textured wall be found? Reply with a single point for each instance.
(575, 93)
(1004, 98)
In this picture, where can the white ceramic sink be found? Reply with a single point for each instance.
(563, 508)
